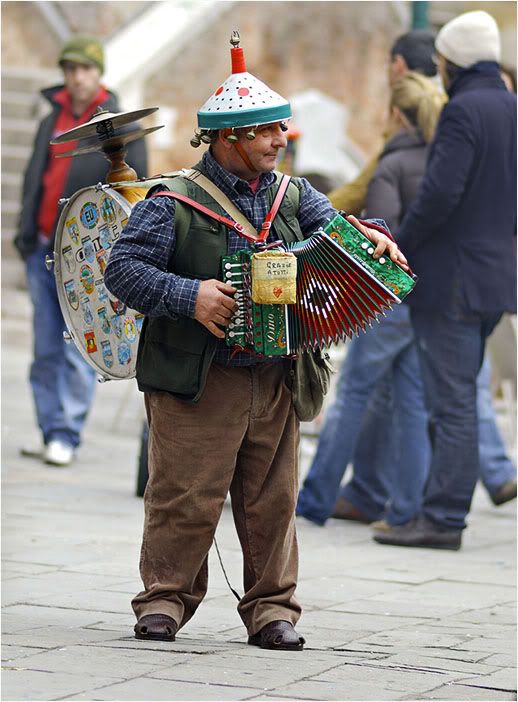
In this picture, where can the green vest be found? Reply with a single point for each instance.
(174, 355)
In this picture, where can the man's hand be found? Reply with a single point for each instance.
(215, 305)
(383, 243)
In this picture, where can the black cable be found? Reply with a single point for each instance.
(225, 573)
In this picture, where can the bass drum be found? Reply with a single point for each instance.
(104, 330)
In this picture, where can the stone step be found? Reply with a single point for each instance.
(18, 105)
(13, 268)
(11, 187)
(18, 132)
(30, 81)
(10, 212)
(15, 158)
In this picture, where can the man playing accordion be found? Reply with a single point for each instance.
(219, 420)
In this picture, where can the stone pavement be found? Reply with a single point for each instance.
(381, 623)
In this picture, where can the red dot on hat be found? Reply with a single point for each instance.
(219, 90)
(243, 91)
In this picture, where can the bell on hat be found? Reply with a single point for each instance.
(242, 100)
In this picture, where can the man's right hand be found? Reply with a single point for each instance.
(215, 305)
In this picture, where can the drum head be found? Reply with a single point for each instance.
(104, 330)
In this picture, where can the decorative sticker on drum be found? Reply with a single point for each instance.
(70, 292)
(124, 353)
(69, 257)
(124, 222)
(86, 276)
(104, 237)
(88, 249)
(117, 325)
(139, 321)
(107, 353)
(117, 306)
(104, 320)
(89, 215)
(102, 260)
(73, 230)
(86, 309)
(108, 209)
(130, 329)
(91, 343)
(102, 293)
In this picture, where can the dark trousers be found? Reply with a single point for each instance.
(242, 436)
(451, 344)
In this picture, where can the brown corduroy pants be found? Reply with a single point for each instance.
(241, 436)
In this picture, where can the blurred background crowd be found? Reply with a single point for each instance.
(332, 60)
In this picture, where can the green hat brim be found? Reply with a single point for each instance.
(243, 118)
(79, 58)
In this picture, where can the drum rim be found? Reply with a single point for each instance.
(58, 275)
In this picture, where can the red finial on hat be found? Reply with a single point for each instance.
(237, 54)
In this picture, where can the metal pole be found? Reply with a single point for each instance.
(419, 14)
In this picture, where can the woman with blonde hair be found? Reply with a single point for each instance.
(378, 419)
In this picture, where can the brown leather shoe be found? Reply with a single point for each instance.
(421, 533)
(278, 635)
(505, 493)
(156, 627)
(381, 525)
(346, 510)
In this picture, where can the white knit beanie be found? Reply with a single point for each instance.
(469, 38)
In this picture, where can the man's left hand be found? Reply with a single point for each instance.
(383, 243)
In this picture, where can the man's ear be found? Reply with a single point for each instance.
(222, 137)
(401, 66)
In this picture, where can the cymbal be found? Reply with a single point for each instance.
(102, 124)
(113, 143)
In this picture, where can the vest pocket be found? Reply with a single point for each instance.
(174, 356)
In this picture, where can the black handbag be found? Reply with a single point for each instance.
(310, 380)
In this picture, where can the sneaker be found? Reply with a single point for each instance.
(58, 454)
(505, 493)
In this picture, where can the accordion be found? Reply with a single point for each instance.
(340, 289)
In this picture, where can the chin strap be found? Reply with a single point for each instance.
(244, 156)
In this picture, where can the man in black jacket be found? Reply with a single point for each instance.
(62, 383)
(460, 235)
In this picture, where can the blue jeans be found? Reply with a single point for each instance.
(496, 468)
(375, 456)
(62, 382)
(376, 488)
(451, 345)
(386, 350)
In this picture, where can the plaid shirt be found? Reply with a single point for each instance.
(137, 269)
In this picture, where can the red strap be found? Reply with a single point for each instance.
(281, 191)
(210, 213)
(265, 227)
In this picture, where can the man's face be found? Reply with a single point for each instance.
(264, 149)
(82, 81)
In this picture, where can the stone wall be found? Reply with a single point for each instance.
(339, 48)
(29, 42)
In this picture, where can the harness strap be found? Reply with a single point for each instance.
(206, 211)
(230, 223)
(281, 191)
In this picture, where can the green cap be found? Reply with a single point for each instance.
(82, 48)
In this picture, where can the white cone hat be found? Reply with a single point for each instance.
(242, 100)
